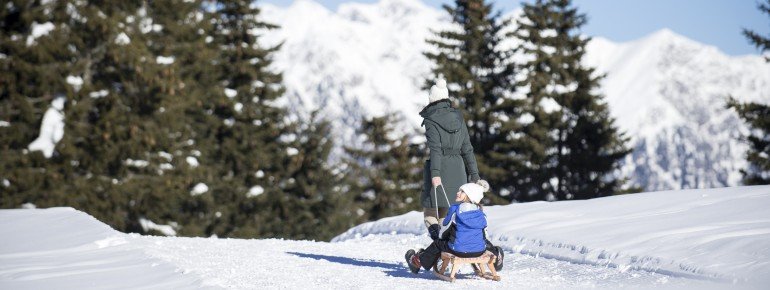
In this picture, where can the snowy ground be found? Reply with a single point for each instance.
(66, 249)
(546, 243)
(374, 262)
(720, 234)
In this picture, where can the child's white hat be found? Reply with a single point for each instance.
(474, 192)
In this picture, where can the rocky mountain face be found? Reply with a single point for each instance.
(666, 92)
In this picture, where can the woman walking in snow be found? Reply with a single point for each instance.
(451, 162)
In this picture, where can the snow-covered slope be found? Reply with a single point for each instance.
(677, 239)
(62, 248)
(666, 91)
(721, 234)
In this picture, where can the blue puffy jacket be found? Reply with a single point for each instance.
(470, 222)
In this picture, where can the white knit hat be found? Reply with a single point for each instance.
(439, 91)
(474, 192)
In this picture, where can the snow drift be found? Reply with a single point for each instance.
(62, 248)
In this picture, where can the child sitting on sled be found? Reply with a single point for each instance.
(462, 232)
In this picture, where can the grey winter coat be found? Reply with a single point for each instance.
(451, 153)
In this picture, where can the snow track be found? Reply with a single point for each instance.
(374, 262)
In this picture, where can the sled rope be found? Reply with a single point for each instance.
(435, 198)
(445, 196)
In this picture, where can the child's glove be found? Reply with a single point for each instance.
(433, 231)
(484, 184)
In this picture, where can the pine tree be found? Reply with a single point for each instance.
(125, 129)
(386, 170)
(120, 156)
(574, 148)
(65, 51)
(321, 208)
(480, 76)
(171, 117)
(761, 42)
(757, 116)
(176, 33)
(275, 177)
(243, 123)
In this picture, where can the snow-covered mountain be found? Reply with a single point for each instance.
(364, 59)
(667, 92)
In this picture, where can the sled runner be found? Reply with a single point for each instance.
(487, 259)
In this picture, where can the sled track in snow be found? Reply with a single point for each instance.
(374, 262)
(602, 258)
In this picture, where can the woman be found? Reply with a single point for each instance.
(451, 162)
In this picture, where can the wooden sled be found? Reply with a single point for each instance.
(487, 259)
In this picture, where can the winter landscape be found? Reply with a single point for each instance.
(292, 156)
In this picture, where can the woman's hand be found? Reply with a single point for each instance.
(436, 181)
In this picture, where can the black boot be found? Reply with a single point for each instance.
(413, 260)
(500, 257)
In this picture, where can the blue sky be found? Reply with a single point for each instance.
(714, 22)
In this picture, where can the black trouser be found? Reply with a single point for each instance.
(490, 247)
(430, 255)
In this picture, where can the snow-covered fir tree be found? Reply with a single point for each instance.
(386, 169)
(314, 203)
(176, 37)
(573, 147)
(172, 117)
(761, 42)
(107, 101)
(32, 62)
(757, 116)
(126, 134)
(272, 171)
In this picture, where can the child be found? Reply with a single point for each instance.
(468, 237)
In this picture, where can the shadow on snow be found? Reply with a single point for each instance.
(391, 269)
